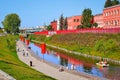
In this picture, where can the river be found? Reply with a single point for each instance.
(81, 66)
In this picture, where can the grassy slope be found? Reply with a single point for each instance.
(1, 31)
(104, 45)
(10, 63)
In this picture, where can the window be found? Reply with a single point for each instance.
(112, 22)
(74, 20)
(77, 20)
(111, 12)
(115, 23)
(118, 11)
(114, 12)
(118, 22)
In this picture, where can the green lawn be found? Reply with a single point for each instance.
(10, 63)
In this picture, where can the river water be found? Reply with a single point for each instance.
(112, 72)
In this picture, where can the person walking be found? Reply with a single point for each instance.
(30, 63)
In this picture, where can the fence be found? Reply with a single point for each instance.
(86, 30)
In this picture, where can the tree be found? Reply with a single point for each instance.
(49, 28)
(95, 24)
(115, 2)
(61, 20)
(11, 23)
(79, 26)
(65, 24)
(86, 18)
(108, 3)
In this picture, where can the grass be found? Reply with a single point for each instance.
(10, 63)
(104, 45)
(1, 31)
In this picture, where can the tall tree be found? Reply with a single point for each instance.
(65, 24)
(115, 2)
(11, 23)
(86, 18)
(108, 3)
(61, 21)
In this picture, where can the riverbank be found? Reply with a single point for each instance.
(97, 46)
(10, 63)
(49, 68)
(80, 54)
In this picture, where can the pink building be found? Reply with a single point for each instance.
(73, 22)
(111, 17)
(54, 25)
(98, 18)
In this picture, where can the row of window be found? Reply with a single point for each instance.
(112, 23)
(114, 12)
(76, 20)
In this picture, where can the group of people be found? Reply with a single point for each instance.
(103, 62)
(61, 68)
(24, 53)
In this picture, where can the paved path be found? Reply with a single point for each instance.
(45, 68)
(2, 77)
(5, 76)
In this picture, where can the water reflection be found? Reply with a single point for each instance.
(112, 72)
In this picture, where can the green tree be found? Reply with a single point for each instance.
(65, 24)
(61, 21)
(86, 18)
(49, 28)
(11, 23)
(79, 26)
(108, 3)
(115, 2)
(95, 24)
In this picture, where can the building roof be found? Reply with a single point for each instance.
(74, 16)
(98, 14)
(112, 6)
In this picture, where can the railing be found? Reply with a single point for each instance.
(86, 30)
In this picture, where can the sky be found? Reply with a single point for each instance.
(40, 12)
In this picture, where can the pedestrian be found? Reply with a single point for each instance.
(27, 53)
(18, 49)
(30, 63)
(23, 53)
(61, 69)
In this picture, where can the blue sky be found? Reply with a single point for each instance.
(39, 12)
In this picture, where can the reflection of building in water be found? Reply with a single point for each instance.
(87, 68)
(58, 57)
(112, 73)
(63, 62)
(36, 52)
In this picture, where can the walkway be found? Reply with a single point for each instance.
(2, 77)
(5, 76)
(45, 68)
